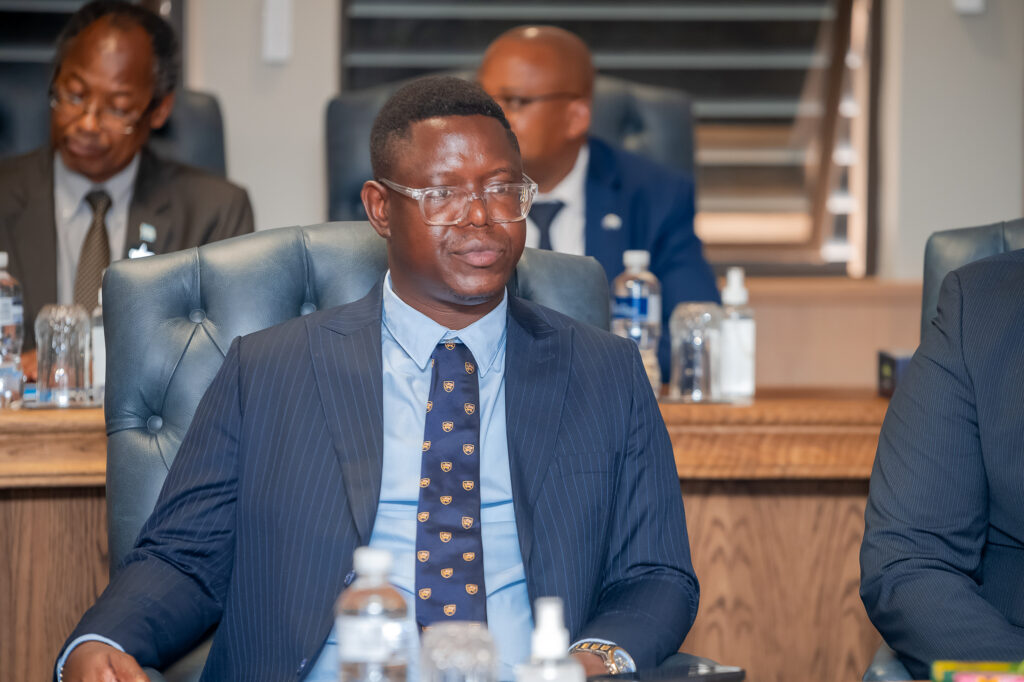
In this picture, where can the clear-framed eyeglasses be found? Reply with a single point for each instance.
(112, 119)
(505, 202)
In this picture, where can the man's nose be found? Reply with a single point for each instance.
(89, 121)
(477, 211)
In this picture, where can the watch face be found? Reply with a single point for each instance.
(623, 663)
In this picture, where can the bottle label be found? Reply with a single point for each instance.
(630, 307)
(371, 639)
(7, 311)
(737, 358)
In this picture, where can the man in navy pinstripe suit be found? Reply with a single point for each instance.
(307, 444)
(943, 553)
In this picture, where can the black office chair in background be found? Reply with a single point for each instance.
(652, 121)
(193, 134)
(948, 250)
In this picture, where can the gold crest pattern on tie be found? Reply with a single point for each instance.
(450, 499)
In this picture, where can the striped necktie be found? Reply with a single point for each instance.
(95, 254)
(543, 214)
(449, 550)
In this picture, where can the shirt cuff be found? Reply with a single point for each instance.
(629, 664)
(81, 640)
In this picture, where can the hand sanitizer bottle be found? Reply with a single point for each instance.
(737, 339)
(550, 660)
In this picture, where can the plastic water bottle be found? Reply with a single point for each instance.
(98, 348)
(372, 624)
(549, 652)
(11, 336)
(636, 310)
(737, 341)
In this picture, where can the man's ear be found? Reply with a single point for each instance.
(578, 118)
(375, 201)
(161, 111)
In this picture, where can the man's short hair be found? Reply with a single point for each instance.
(430, 97)
(166, 57)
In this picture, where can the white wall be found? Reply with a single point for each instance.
(952, 117)
(273, 114)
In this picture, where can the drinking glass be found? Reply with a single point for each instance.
(62, 340)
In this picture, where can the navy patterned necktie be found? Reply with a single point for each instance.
(543, 214)
(449, 550)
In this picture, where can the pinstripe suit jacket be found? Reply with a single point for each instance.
(278, 479)
(942, 563)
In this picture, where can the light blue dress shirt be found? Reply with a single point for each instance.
(407, 340)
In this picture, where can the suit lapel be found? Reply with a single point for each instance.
(346, 355)
(151, 204)
(537, 364)
(34, 233)
(605, 209)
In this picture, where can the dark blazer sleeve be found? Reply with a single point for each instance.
(170, 588)
(927, 513)
(677, 258)
(650, 594)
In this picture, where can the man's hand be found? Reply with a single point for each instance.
(28, 365)
(99, 662)
(592, 663)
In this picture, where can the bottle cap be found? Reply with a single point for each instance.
(636, 259)
(734, 292)
(372, 561)
(3, 260)
(550, 638)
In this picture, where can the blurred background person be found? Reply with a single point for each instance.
(594, 199)
(96, 192)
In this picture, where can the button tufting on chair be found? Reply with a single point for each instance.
(197, 315)
(154, 423)
(307, 308)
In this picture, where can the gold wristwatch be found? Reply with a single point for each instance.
(615, 658)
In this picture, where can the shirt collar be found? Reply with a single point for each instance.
(418, 335)
(570, 190)
(71, 187)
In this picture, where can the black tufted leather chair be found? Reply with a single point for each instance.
(193, 134)
(948, 250)
(652, 121)
(169, 320)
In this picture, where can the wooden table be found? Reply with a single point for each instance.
(774, 497)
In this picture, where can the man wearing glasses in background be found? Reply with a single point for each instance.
(500, 451)
(594, 199)
(96, 192)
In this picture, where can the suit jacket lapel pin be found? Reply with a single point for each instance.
(611, 221)
(147, 233)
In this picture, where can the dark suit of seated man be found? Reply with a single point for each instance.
(605, 200)
(96, 192)
(314, 439)
(943, 553)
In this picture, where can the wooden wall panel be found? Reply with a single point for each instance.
(777, 562)
(53, 565)
(825, 332)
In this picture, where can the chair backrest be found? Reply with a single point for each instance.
(193, 134)
(169, 320)
(948, 250)
(652, 121)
